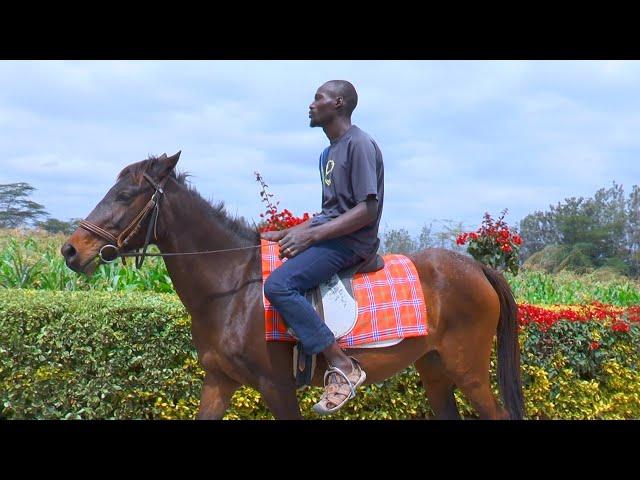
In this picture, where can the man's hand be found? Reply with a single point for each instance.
(273, 236)
(296, 241)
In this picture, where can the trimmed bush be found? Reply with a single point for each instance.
(108, 355)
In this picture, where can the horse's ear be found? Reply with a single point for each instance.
(165, 164)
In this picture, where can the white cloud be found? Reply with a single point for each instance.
(458, 137)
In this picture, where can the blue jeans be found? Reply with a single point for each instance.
(286, 285)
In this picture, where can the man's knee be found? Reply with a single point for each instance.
(275, 286)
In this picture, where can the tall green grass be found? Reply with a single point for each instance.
(567, 288)
(33, 260)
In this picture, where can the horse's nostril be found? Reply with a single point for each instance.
(68, 251)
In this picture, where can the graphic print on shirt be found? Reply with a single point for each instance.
(327, 172)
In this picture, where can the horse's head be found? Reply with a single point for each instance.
(122, 216)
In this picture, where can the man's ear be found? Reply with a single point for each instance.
(165, 164)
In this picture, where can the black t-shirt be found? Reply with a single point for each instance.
(351, 170)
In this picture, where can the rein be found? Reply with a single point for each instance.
(109, 253)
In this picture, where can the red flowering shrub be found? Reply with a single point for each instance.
(494, 244)
(547, 316)
(274, 220)
(633, 314)
(585, 336)
(620, 327)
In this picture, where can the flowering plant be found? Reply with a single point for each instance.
(274, 220)
(617, 318)
(493, 244)
(583, 338)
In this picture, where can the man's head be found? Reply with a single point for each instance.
(335, 98)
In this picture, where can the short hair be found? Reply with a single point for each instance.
(344, 89)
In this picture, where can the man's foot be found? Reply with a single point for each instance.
(339, 387)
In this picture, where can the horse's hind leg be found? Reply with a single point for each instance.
(281, 400)
(483, 400)
(468, 365)
(217, 391)
(438, 385)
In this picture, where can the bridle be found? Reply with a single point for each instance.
(120, 242)
(109, 253)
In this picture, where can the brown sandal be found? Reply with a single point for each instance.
(337, 392)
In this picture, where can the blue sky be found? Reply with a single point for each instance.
(458, 137)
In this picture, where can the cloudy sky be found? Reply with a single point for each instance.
(458, 137)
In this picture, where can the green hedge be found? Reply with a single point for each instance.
(113, 355)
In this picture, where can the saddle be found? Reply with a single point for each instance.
(304, 365)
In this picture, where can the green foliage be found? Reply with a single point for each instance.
(584, 347)
(400, 241)
(578, 259)
(129, 355)
(616, 265)
(33, 260)
(575, 258)
(547, 259)
(53, 225)
(105, 355)
(567, 288)
(593, 230)
(633, 230)
(567, 378)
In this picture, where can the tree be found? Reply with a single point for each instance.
(633, 230)
(446, 238)
(603, 229)
(53, 225)
(572, 220)
(15, 208)
(425, 240)
(398, 241)
(537, 231)
(608, 229)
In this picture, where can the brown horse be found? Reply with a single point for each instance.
(467, 303)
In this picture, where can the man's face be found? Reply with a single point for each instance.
(323, 108)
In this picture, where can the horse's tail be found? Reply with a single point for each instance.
(509, 378)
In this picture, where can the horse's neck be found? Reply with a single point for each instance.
(200, 280)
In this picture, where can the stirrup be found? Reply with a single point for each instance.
(321, 407)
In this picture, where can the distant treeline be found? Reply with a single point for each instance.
(17, 210)
(579, 234)
(582, 234)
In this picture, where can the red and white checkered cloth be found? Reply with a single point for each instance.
(390, 302)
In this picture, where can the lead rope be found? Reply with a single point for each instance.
(186, 253)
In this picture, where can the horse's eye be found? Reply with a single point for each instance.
(123, 197)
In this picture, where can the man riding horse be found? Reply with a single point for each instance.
(344, 234)
(216, 270)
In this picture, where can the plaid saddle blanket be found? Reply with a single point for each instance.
(390, 303)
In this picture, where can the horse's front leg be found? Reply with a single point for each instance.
(217, 391)
(281, 400)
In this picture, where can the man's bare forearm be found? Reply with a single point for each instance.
(359, 216)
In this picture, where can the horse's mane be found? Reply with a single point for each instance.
(248, 234)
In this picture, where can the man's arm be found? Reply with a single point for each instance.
(359, 216)
(297, 240)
